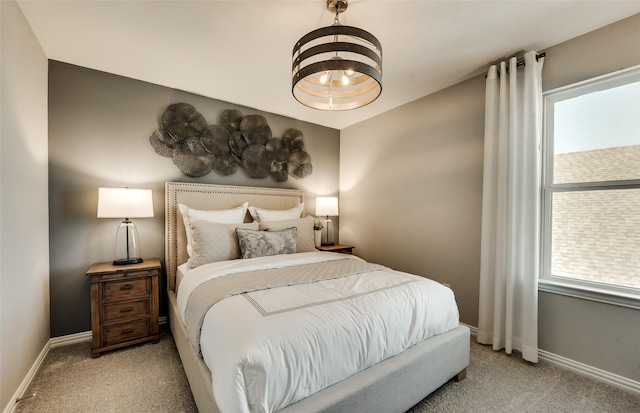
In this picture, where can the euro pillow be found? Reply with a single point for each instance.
(260, 214)
(304, 226)
(214, 242)
(254, 244)
(220, 216)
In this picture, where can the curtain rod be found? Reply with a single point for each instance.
(520, 62)
(538, 57)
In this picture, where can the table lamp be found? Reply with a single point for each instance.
(325, 206)
(125, 203)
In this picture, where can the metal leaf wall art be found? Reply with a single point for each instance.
(237, 141)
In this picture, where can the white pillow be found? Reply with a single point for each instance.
(220, 216)
(305, 241)
(259, 214)
(214, 242)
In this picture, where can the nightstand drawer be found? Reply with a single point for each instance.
(124, 332)
(121, 310)
(116, 290)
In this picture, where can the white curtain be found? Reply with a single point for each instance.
(508, 313)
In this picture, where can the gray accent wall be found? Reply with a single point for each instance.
(411, 190)
(24, 238)
(99, 128)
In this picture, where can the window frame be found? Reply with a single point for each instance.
(600, 292)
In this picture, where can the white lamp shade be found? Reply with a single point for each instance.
(327, 206)
(124, 203)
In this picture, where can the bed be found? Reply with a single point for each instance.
(393, 384)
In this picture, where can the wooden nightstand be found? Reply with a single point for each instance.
(124, 304)
(344, 249)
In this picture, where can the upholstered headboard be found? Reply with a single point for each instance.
(207, 197)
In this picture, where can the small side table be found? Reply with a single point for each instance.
(124, 304)
(343, 249)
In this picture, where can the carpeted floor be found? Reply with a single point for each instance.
(501, 383)
(150, 378)
(143, 378)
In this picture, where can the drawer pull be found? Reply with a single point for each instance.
(126, 309)
(126, 287)
(127, 331)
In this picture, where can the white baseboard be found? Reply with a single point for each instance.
(581, 368)
(71, 339)
(474, 330)
(13, 401)
(590, 371)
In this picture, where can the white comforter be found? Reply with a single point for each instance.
(268, 349)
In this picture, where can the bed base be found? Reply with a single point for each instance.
(197, 372)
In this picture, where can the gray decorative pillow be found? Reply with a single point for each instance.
(215, 242)
(255, 244)
(305, 240)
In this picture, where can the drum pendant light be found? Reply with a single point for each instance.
(337, 67)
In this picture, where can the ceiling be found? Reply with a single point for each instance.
(240, 51)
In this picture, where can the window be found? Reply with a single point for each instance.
(591, 181)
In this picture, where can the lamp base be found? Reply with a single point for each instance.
(127, 261)
(327, 233)
(127, 244)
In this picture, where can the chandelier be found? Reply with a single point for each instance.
(337, 67)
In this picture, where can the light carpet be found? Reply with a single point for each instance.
(150, 378)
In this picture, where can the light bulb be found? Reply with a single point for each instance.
(324, 77)
(349, 72)
(345, 80)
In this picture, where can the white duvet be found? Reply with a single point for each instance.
(271, 348)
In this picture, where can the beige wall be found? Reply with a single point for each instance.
(99, 128)
(411, 188)
(24, 251)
